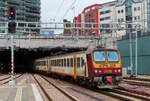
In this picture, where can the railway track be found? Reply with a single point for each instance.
(129, 94)
(135, 86)
(119, 94)
(136, 79)
(122, 95)
(7, 81)
(5, 77)
(137, 83)
(72, 98)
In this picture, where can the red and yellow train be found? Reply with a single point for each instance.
(99, 67)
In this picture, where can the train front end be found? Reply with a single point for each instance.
(106, 68)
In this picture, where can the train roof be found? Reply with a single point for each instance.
(79, 52)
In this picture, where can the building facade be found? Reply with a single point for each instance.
(107, 16)
(77, 24)
(132, 12)
(26, 11)
(127, 13)
(91, 15)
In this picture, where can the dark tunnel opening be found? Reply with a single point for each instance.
(24, 58)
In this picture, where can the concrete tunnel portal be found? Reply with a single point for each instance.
(24, 58)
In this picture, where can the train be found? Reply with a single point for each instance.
(96, 68)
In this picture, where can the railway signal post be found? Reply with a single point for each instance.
(12, 30)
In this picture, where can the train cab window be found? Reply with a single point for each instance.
(112, 56)
(64, 62)
(78, 62)
(71, 62)
(67, 62)
(99, 56)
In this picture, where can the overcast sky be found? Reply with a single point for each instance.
(56, 9)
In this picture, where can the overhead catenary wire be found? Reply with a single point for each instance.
(70, 7)
(58, 9)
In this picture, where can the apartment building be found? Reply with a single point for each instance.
(77, 23)
(107, 16)
(131, 12)
(91, 15)
(127, 13)
(26, 11)
(100, 14)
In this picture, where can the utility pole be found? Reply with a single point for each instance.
(136, 48)
(131, 62)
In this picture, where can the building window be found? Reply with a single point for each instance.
(128, 18)
(105, 12)
(91, 15)
(135, 18)
(105, 18)
(92, 20)
(134, 8)
(138, 17)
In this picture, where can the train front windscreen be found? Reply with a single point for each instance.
(102, 56)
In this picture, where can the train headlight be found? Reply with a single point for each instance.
(119, 70)
(96, 71)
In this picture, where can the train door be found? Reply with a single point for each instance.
(80, 65)
(84, 63)
(75, 67)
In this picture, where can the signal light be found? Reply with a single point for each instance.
(12, 27)
(11, 15)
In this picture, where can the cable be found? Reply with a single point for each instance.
(68, 10)
(58, 10)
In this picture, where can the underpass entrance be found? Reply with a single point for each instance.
(24, 58)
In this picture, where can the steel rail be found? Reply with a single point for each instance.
(60, 89)
(9, 80)
(42, 88)
(130, 94)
